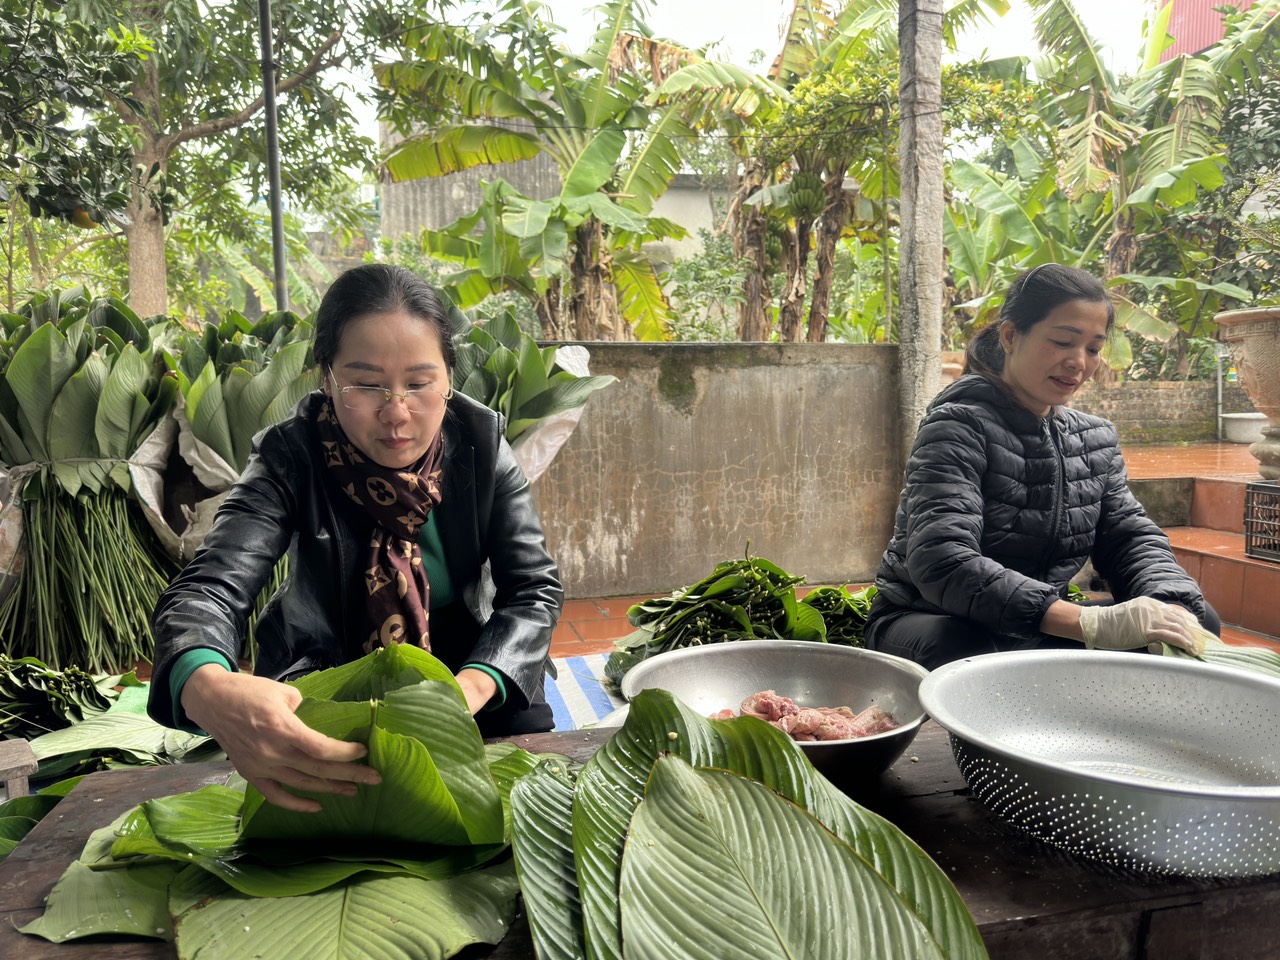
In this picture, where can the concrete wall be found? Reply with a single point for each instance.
(702, 449)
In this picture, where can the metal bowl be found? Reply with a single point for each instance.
(1149, 763)
(710, 678)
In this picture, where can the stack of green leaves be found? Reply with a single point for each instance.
(80, 390)
(120, 736)
(36, 699)
(416, 865)
(238, 377)
(503, 367)
(844, 613)
(748, 599)
(684, 838)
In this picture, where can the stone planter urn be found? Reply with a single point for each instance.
(1254, 339)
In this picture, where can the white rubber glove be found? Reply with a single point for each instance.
(1138, 622)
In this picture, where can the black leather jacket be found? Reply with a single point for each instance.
(284, 501)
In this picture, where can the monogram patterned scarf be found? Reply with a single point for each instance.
(398, 502)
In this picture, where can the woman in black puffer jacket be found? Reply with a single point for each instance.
(1008, 492)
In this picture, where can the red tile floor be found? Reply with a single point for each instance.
(589, 626)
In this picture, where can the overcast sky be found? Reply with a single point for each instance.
(747, 25)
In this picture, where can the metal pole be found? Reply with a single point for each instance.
(273, 152)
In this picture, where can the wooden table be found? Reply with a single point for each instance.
(1030, 901)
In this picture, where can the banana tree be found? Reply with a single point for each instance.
(825, 97)
(505, 91)
(1152, 146)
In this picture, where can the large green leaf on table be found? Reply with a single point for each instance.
(205, 822)
(85, 902)
(37, 373)
(71, 429)
(379, 807)
(373, 676)
(436, 787)
(434, 712)
(542, 842)
(115, 424)
(12, 830)
(366, 917)
(611, 785)
(207, 413)
(711, 850)
(116, 733)
(203, 828)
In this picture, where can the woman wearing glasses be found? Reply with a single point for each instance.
(390, 492)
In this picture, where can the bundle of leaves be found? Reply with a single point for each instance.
(416, 865)
(503, 367)
(81, 389)
(120, 736)
(684, 837)
(238, 377)
(36, 699)
(844, 613)
(748, 599)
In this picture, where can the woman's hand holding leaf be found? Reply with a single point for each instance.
(253, 720)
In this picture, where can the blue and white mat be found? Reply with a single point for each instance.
(578, 697)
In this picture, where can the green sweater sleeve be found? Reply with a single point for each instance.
(187, 664)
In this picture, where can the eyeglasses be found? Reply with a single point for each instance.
(362, 399)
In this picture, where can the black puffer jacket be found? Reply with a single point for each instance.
(284, 500)
(1001, 509)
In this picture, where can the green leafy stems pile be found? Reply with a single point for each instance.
(747, 599)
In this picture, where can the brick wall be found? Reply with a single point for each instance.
(1162, 411)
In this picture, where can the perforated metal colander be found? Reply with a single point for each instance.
(1149, 763)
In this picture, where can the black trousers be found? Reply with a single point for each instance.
(932, 639)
